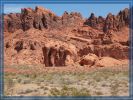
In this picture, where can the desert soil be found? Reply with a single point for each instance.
(66, 81)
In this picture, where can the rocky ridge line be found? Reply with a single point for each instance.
(41, 18)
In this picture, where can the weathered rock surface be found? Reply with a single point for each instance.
(113, 50)
(40, 18)
(56, 54)
(12, 22)
(111, 22)
(38, 36)
(89, 59)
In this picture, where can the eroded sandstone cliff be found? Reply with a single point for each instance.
(38, 36)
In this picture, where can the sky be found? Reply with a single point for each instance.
(84, 9)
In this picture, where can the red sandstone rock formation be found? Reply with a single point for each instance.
(111, 22)
(38, 36)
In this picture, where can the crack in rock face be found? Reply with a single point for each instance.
(54, 56)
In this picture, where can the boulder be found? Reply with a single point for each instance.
(88, 59)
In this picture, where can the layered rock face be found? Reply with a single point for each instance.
(38, 36)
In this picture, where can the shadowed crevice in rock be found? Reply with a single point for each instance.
(19, 46)
(7, 45)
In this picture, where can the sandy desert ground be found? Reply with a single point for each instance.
(58, 81)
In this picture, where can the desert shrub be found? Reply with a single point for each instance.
(19, 80)
(25, 81)
(33, 76)
(9, 87)
(114, 89)
(54, 92)
(45, 88)
(69, 91)
(98, 93)
(26, 91)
